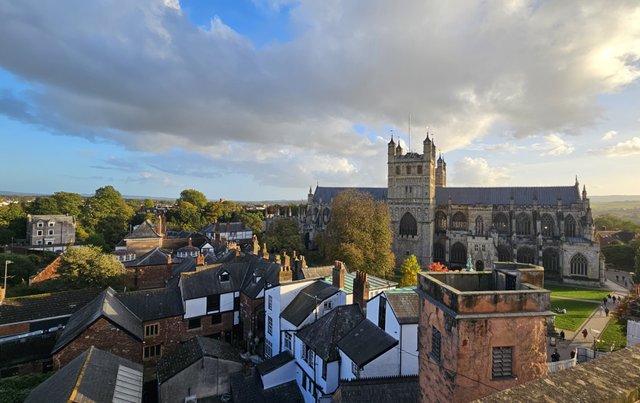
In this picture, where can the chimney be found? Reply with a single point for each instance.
(159, 225)
(338, 274)
(256, 245)
(303, 262)
(169, 261)
(287, 260)
(277, 257)
(265, 252)
(200, 260)
(2, 294)
(361, 289)
(190, 242)
(284, 275)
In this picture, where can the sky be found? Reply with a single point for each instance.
(260, 99)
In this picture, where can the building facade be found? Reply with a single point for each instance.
(550, 226)
(51, 232)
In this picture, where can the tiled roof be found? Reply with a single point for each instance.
(404, 305)
(306, 301)
(249, 389)
(105, 305)
(43, 306)
(143, 231)
(154, 304)
(317, 272)
(152, 258)
(53, 217)
(366, 342)
(192, 351)
(522, 196)
(323, 334)
(274, 362)
(327, 194)
(375, 283)
(207, 281)
(93, 376)
(379, 390)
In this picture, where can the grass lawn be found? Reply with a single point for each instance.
(575, 292)
(613, 335)
(577, 312)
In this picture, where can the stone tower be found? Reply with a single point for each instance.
(441, 172)
(411, 199)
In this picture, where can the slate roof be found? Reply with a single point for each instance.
(523, 196)
(144, 231)
(152, 258)
(105, 305)
(184, 265)
(265, 270)
(317, 272)
(43, 306)
(94, 376)
(207, 281)
(305, 302)
(327, 194)
(375, 283)
(379, 390)
(366, 342)
(190, 352)
(405, 306)
(249, 389)
(53, 217)
(274, 362)
(323, 335)
(153, 304)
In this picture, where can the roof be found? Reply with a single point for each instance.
(366, 342)
(274, 362)
(207, 281)
(306, 301)
(260, 273)
(105, 305)
(52, 217)
(249, 389)
(404, 305)
(614, 377)
(44, 306)
(323, 335)
(93, 376)
(191, 351)
(185, 265)
(379, 390)
(152, 258)
(522, 196)
(375, 283)
(327, 194)
(143, 231)
(317, 272)
(153, 304)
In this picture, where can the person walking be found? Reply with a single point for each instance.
(555, 357)
(606, 311)
(573, 353)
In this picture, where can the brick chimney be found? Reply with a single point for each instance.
(2, 294)
(361, 289)
(169, 261)
(286, 260)
(200, 260)
(338, 274)
(277, 259)
(265, 251)
(160, 225)
(256, 245)
(284, 275)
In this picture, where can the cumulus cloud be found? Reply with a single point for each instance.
(508, 147)
(477, 172)
(609, 135)
(554, 145)
(624, 148)
(141, 74)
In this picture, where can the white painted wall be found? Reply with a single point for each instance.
(226, 302)
(388, 364)
(409, 345)
(195, 307)
(633, 333)
(284, 374)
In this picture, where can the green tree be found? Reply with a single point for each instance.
(69, 203)
(283, 234)
(88, 266)
(108, 214)
(409, 269)
(148, 203)
(13, 222)
(359, 234)
(222, 210)
(636, 266)
(620, 256)
(611, 222)
(185, 215)
(43, 205)
(194, 197)
(20, 270)
(255, 221)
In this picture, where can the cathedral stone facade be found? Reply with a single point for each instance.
(549, 226)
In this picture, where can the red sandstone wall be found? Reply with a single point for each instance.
(208, 329)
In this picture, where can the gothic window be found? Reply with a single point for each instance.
(526, 255)
(438, 252)
(408, 225)
(419, 169)
(504, 255)
(501, 223)
(523, 224)
(441, 222)
(579, 265)
(547, 225)
(550, 261)
(408, 169)
(458, 253)
(459, 221)
(397, 169)
(479, 226)
(569, 226)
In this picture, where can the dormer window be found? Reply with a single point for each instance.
(40, 224)
(51, 223)
(224, 276)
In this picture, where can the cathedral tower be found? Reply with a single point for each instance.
(411, 199)
(441, 172)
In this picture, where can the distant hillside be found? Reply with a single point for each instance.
(625, 207)
(614, 198)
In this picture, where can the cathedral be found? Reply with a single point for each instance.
(550, 226)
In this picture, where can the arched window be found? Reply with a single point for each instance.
(523, 224)
(579, 265)
(551, 262)
(458, 254)
(501, 223)
(547, 225)
(504, 254)
(569, 226)
(459, 221)
(441, 221)
(397, 169)
(438, 253)
(526, 255)
(408, 225)
(479, 226)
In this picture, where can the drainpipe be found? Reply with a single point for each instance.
(400, 351)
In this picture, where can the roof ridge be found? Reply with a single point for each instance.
(74, 392)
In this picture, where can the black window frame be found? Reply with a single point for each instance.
(216, 319)
(213, 303)
(192, 321)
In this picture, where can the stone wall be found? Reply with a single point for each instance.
(252, 316)
(170, 335)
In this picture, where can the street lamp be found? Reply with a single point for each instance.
(6, 263)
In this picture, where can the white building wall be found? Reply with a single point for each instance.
(388, 364)
(284, 374)
(195, 307)
(409, 346)
(226, 302)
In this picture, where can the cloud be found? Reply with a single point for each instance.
(609, 135)
(507, 147)
(554, 145)
(477, 172)
(142, 75)
(624, 148)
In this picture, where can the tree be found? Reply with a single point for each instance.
(222, 210)
(410, 269)
(43, 205)
(108, 214)
(437, 266)
(194, 197)
(20, 270)
(69, 203)
(283, 234)
(620, 256)
(185, 216)
(255, 221)
(359, 234)
(13, 222)
(636, 267)
(88, 266)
